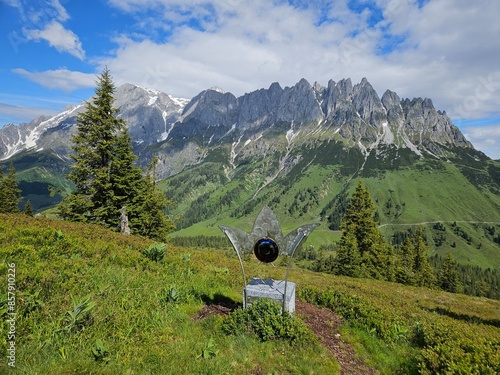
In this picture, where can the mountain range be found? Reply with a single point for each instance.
(298, 149)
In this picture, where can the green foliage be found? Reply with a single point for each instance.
(348, 260)
(265, 320)
(28, 210)
(424, 274)
(77, 318)
(100, 352)
(172, 295)
(104, 174)
(448, 275)
(155, 252)
(141, 331)
(10, 194)
(362, 249)
(441, 335)
(209, 350)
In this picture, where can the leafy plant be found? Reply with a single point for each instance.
(209, 350)
(155, 252)
(265, 320)
(58, 235)
(77, 318)
(100, 352)
(172, 295)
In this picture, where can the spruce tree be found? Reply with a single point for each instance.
(151, 221)
(348, 261)
(424, 273)
(28, 210)
(448, 275)
(375, 255)
(2, 189)
(405, 263)
(10, 194)
(104, 174)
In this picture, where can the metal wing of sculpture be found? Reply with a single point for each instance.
(239, 239)
(295, 237)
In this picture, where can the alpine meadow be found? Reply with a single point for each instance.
(114, 262)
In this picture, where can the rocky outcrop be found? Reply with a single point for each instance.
(214, 117)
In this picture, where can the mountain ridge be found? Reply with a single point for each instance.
(356, 112)
(297, 149)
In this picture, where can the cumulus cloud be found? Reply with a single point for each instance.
(485, 138)
(59, 37)
(443, 49)
(63, 79)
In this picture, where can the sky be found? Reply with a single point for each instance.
(51, 51)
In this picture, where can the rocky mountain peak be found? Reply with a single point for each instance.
(355, 113)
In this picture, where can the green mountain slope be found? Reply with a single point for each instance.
(314, 187)
(88, 301)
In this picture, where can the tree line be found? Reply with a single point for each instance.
(363, 252)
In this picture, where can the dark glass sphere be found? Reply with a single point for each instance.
(266, 250)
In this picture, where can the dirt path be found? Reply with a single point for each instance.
(441, 221)
(325, 325)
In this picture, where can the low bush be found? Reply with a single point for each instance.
(265, 320)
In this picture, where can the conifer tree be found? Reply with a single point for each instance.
(2, 190)
(448, 275)
(104, 173)
(348, 261)
(424, 273)
(10, 194)
(152, 221)
(405, 263)
(358, 222)
(28, 210)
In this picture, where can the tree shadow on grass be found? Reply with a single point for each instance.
(465, 317)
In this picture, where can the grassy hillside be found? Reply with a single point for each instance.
(37, 172)
(143, 315)
(407, 193)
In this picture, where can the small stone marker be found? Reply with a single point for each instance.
(272, 289)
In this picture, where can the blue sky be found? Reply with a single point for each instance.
(446, 50)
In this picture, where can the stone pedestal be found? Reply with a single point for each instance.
(272, 289)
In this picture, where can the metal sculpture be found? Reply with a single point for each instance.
(267, 241)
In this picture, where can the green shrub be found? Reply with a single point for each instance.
(265, 320)
(155, 252)
(100, 352)
(76, 319)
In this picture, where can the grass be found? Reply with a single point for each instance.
(142, 329)
(138, 316)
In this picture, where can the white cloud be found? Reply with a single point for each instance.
(485, 138)
(14, 114)
(59, 37)
(444, 49)
(62, 79)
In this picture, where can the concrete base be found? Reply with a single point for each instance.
(272, 289)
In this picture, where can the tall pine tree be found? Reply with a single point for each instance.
(103, 171)
(424, 273)
(359, 228)
(348, 261)
(448, 275)
(405, 263)
(10, 194)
